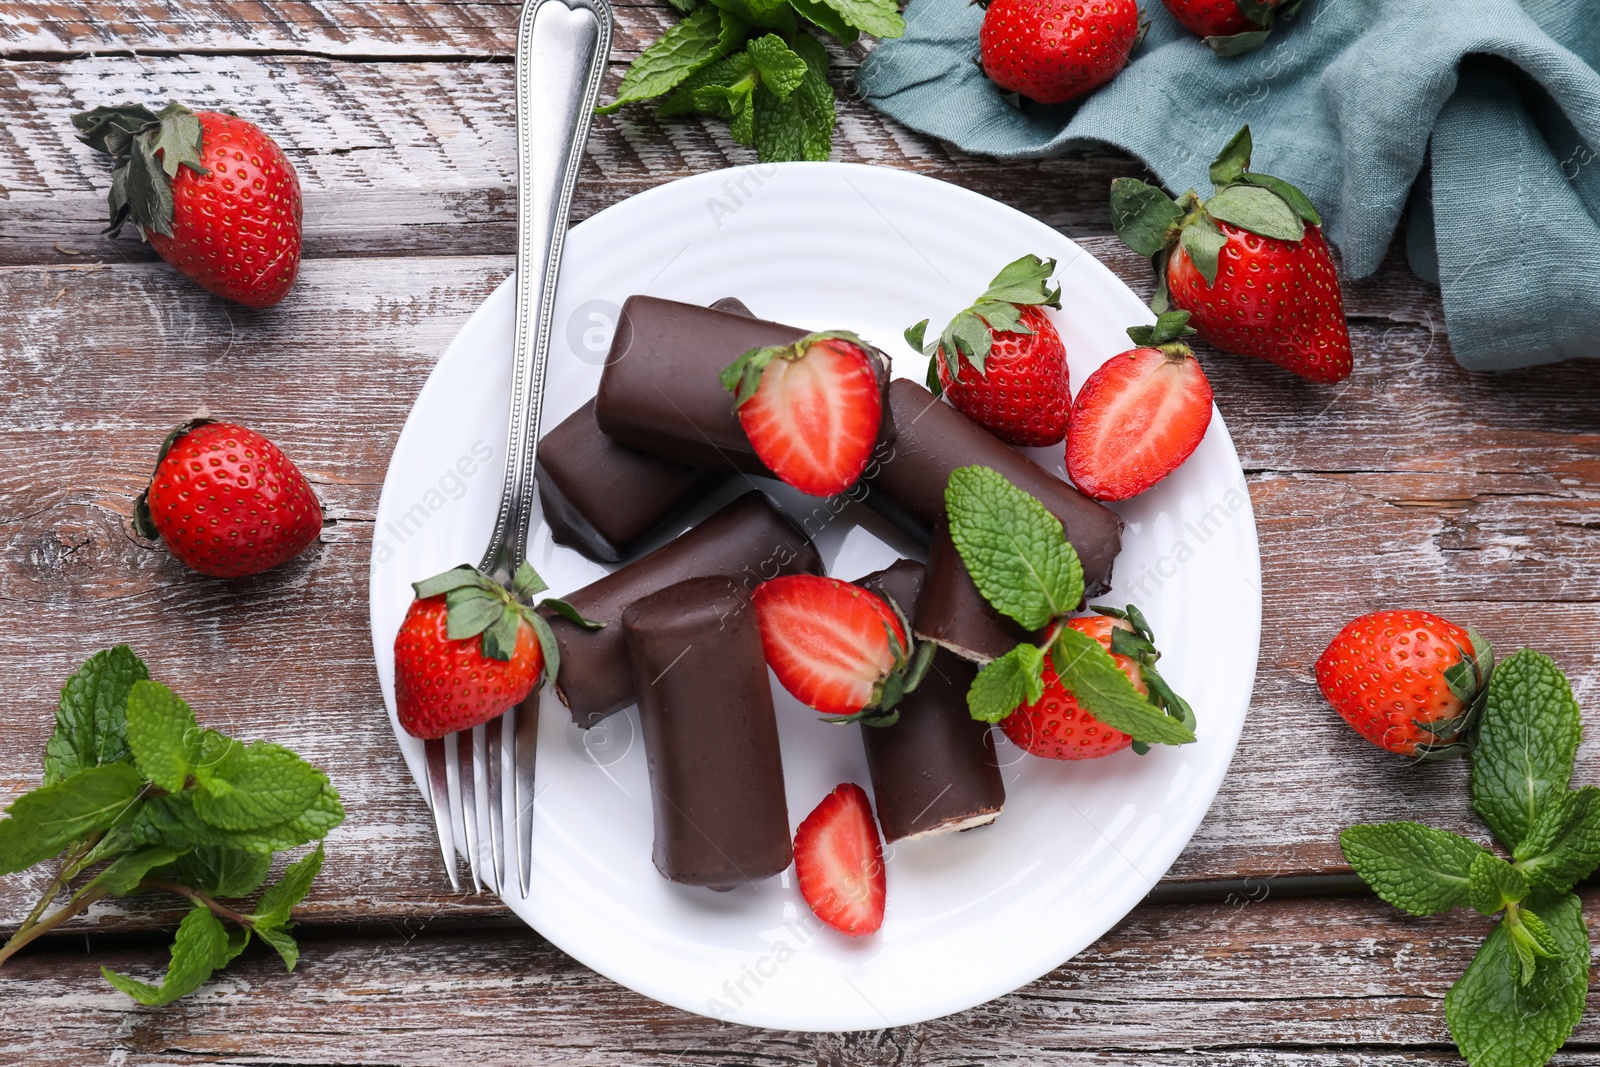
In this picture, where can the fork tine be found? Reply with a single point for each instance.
(439, 801)
(467, 768)
(495, 749)
(523, 762)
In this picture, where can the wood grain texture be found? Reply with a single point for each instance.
(1306, 983)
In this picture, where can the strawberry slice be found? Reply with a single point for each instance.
(838, 860)
(837, 647)
(1140, 415)
(811, 409)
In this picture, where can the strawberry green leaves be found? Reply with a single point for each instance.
(969, 336)
(1017, 554)
(148, 149)
(169, 806)
(1524, 992)
(481, 607)
(1155, 225)
(748, 61)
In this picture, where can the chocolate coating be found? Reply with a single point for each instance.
(749, 540)
(660, 391)
(603, 498)
(952, 612)
(934, 770)
(710, 734)
(933, 439)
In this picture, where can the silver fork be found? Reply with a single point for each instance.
(562, 47)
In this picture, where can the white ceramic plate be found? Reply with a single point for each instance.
(970, 916)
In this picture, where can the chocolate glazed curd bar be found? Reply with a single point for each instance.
(603, 498)
(749, 541)
(710, 734)
(933, 439)
(660, 391)
(934, 770)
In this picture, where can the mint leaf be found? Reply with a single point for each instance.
(222, 871)
(279, 900)
(823, 16)
(675, 55)
(172, 820)
(163, 735)
(1526, 744)
(1007, 682)
(1414, 867)
(1492, 883)
(257, 786)
(123, 874)
(1499, 1022)
(272, 912)
(1563, 847)
(201, 947)
(321, 816)
(800, 125)
(1014, 549)
(781, 69)
(92, 716)
(1093, 677)
(45, 820)
(881, 18)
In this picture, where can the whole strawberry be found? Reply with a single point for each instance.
(469, 649)
(1408, 681)
(1056, 726)
(838, 648)
(811, 409)
(1140, 414)
(214, 195)
(227, 501)
(1249, 264)
(1001, 361)
(1052, 51)
(1230, 27)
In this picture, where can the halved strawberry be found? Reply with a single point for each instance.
(837, 647)
(810, 409)
(1140, 415)
(838, 861)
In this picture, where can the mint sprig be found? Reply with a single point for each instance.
(1523, 993)
(1018, 556)
(140, 797)
(969, 337)
(752, 62)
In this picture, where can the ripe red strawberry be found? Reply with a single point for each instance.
(837, 647)
(838, 861)
(1230, 27)
(469, 649)
(1001, 361)
(811, 409)
(1056, 726)
(1408, 681)
(1052, 51)
(226, 501)
(1249, 265)
(214, 195)
(1140, 414)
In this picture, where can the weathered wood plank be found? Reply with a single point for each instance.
(1413, 483)
(1308, 983)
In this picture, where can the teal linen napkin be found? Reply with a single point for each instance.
(1484, 115)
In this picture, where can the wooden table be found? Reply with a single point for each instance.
(1413, 483)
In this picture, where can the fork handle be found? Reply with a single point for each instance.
(562, 47)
